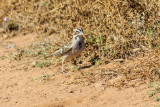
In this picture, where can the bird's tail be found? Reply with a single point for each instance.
(49, 55)
(57, 53)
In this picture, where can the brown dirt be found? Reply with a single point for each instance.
(24, 86)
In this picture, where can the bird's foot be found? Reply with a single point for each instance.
(63, 72)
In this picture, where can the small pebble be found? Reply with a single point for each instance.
(103, 88)
(118, 60)
(71, 91)
(33, 64)
(5, 36)
(46, 40)
(11, 46)
(1, 30)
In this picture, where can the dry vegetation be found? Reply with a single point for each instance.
(123, 33)
(116, 29)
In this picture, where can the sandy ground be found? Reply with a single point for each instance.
(24, 86)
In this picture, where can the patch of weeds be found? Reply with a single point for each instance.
(98, 62)
(57, 60)
(11, 25)
(92, 39)
(44, 78)
(43, 54)
(39, 52)
(74, 68)
(158, 24)
(157, 99)
(150, 32)
(43, 64)
(156, 90)
(3, 57)
(95, 61)
(33, 79)
(151, 93)
(158, 47)
(97, 41)
(36, 51)
(112, 39)
(27, 52)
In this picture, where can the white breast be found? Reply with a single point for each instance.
(77, 47)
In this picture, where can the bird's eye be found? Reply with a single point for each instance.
(76, 37)
(81, 29)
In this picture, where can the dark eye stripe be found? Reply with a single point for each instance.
(80, 29)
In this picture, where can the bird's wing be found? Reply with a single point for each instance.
(62, 50)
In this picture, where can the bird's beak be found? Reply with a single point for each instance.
(74, 33)
(75, 30)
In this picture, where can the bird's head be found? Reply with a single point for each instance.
(78, 31)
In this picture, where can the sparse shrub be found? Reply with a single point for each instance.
(112, 30)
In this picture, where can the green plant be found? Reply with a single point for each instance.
(11, 25)
(43, 64)
(43, 78)
(155, 91)
(157, 99)
(74, 68)
(151, 93)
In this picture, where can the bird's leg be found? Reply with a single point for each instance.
(63, 65)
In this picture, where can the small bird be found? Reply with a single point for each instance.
(73, 48)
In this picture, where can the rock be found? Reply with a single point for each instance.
(5, 36)
(118, 60)
(46, 40)
(33, 64)
(136, 49)
(11, 46)
(71, 91)
(103, 88)
(1, 30)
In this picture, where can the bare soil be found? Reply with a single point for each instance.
(22, 85)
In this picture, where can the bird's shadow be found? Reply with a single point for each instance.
(84, 67)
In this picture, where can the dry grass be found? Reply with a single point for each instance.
(113, 29)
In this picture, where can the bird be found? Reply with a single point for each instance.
(71, 49)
